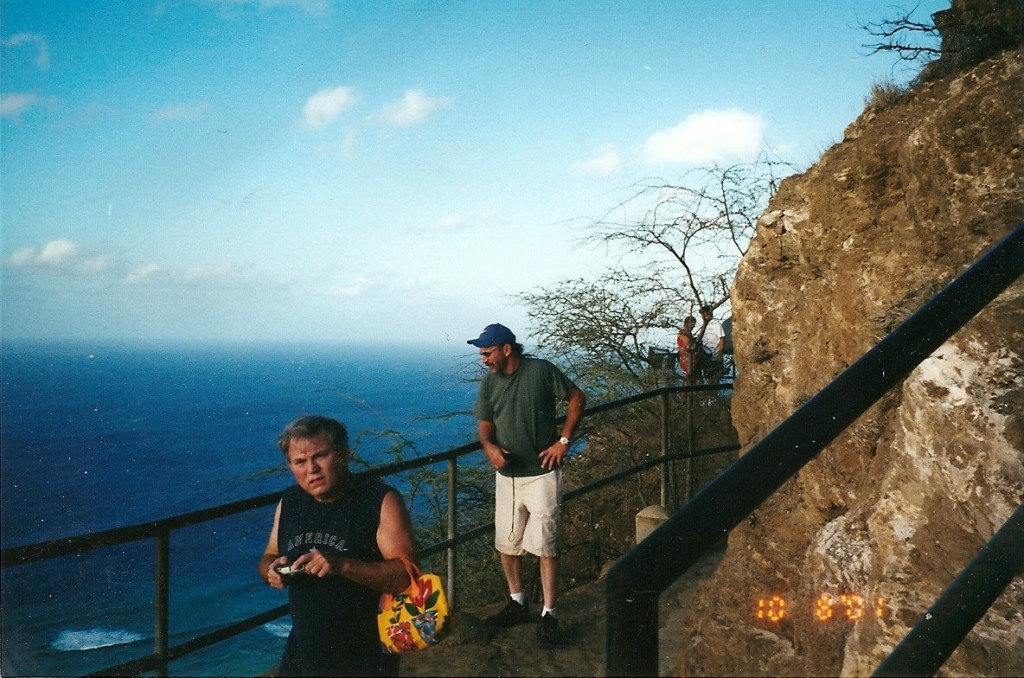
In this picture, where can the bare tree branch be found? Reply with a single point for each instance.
(912, 41)
(673, 248)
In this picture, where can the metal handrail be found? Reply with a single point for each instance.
(928, 645)
(64, 546)
(638, 578)
(160, 531)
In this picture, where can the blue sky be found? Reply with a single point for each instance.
(331, 170)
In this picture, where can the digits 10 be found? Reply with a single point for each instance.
(850, 607)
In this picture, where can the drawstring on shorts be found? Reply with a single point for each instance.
(512, 530)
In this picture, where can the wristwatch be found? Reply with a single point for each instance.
(564, 441)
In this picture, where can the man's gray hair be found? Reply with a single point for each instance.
(310, 426)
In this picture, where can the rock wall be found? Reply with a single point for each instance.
(904, 499)
(974, 30)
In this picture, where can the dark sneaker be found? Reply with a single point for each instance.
(513, 614)
(547, 631)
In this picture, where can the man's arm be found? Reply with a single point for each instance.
(495, 454)
(394, 539)
(577, 403)
(718, 338)
(553, 456)
(271, 558)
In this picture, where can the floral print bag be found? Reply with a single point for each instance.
(416, 618)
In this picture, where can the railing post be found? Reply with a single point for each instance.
(632, 618)
(453, 553)
(664, 448)
(689, 435)
(161, 604)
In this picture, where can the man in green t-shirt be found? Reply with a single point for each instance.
(515, 409)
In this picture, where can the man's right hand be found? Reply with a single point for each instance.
(274, 577)
(497, 456)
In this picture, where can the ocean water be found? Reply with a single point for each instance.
(94, 437)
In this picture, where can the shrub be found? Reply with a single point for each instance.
(884, 94)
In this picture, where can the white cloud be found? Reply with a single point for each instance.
(61, 256)
(57, 252)
(458, 222)
(223, 275)
(324, 107)
(208, 273)
(64, 257)
(14, 104)
(23, 257)
(451, 222)
(708, 136)
(188, 112)
(348, 143)
(311, 7)
(412, 109)
(97, 264)
(606, 163)
(42, 49)
(142, 274)
(353, 289)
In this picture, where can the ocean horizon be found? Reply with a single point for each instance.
(99, 435)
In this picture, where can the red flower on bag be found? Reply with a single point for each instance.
(401, 635)
(420, 599)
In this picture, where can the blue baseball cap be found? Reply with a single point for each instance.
(493, 335)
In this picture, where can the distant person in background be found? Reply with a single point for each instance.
(515, 409)
(687, 345)
(344, 534)
(712, 341)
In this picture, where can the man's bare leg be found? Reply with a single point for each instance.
(512, 566)
(549, 580)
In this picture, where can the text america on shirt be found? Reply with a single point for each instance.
(317, 539)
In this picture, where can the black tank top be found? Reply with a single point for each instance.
(333, 619)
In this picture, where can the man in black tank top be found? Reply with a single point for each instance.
(339, 538)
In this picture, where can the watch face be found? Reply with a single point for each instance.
(563, 440)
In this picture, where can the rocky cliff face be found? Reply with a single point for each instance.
(891, 512)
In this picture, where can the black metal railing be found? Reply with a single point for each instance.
(161, 530)
(636, 581)
(961, 606)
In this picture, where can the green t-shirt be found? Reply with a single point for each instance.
(522, 408)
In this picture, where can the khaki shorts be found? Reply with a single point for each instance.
(526, 514)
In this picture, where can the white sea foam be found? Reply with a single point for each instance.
(91, 639)
(281, 629)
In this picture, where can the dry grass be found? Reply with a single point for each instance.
(884, 94)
